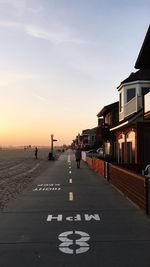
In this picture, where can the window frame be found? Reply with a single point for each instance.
(129, 98)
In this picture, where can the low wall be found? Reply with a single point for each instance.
(89, 162)
(96, 164)
(131, 184)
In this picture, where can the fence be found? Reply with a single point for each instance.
(96, 164)
(130, 184)
(135, 186)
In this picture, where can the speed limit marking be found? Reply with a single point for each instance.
(71, 244)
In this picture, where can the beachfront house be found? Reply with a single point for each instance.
(133, 131)
(109, 116)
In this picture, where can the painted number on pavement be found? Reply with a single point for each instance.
(73, 244)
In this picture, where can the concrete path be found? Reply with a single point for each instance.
(72, 217)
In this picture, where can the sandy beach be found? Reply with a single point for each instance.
(18, 168)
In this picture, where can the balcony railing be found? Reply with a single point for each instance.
(133, 106)
(130, 107)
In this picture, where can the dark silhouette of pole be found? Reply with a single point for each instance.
(52, 140)
(52, 143)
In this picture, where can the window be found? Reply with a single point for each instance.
(120, 102)
(92, 138)
(147, 104)
(130, 94)
(108, 119)
(121, 147)
(107, 148)
(130, 147)
(85, 139)
(145, 90)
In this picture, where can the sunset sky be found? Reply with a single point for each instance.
(61, 62)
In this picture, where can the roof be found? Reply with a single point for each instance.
(143, 60)
(108, 108)
(133, 118)
(140, 75)
(88, 131)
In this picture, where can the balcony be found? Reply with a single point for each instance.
(129, 108)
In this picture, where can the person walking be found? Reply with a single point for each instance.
(78, 157)
(36, 152)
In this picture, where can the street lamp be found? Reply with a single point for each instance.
(52, 140)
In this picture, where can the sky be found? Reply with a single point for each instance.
(61, 62)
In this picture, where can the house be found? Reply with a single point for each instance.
(109, 118)
(76, 142)
(132, 131)
(143, 61)
(99, 134)
(88, 138)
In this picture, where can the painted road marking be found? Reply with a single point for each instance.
(69, 167)
(70, 181)
(70, 196)
(69, 158)
(70, 172)
(74, 218)
(74, 245)
(47, 187)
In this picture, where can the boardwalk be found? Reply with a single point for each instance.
(72, 217)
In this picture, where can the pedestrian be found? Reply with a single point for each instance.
(36, 152)
(78, 157)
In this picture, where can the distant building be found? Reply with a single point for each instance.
(88, 138)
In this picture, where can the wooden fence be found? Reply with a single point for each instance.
(132, 185)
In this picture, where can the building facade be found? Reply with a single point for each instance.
(133, 132)
(109, 115)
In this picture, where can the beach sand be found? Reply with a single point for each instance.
(18, 168)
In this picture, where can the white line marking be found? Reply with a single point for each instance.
(70, 181)
(68, 158)
(70, 196)
(70, 172)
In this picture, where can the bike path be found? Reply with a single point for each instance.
(72, 217)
